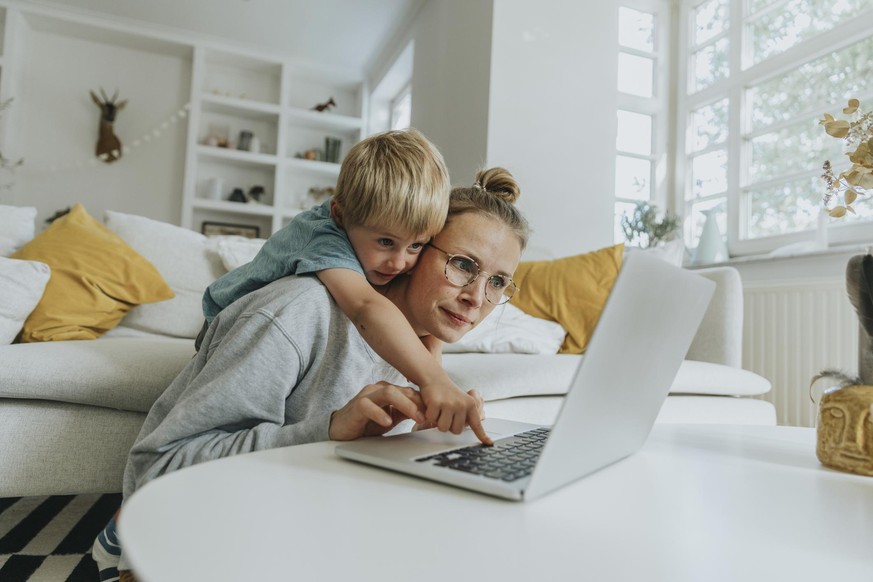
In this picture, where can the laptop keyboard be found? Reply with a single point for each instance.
(509, 459)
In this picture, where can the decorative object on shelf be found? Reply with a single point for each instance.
(255, 194)
(237, 195)
(210, 228)
(325, 106)
(217, 136)
(215, 188)
(642, 228)
(244, 142)
(154, 133)
(316, 195)
(108, 145)
(857, 180)
(6, 163)
(314, 154)
(332, 149)
(255, 145)
(711, 247)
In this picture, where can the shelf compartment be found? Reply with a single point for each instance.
(237, 157)
(323, 120)
(313, 166)
(234, 207)
(242, 77)
(264, 223)
(297, 184)
(240, 107)
(216, 180)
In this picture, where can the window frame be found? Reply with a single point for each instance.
(743, 75)
(657, 106)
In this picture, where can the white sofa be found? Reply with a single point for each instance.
(70, 410)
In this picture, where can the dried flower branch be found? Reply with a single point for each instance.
(857, 180)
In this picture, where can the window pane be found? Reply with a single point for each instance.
(756, 5)
(635, 75)
(802, 146)
(709, 125)
(830, 79)
(632, 178)
(785, 208)
(634, 133)
(621, 209)
(779, 30)
(709, 173)
(636, 29)
(401, 111)
(710, 19)
(694, 222)
(710, 64)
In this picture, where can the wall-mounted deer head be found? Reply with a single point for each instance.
(108, 144)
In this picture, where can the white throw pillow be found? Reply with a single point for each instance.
(186, 260)
(16, 227)
(236, 251)
(508, 329)
(23, 283)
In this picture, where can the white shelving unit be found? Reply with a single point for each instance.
(231, 89)
(272, 99)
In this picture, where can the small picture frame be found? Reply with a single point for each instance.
(210, 228)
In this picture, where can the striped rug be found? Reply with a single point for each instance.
(48, 539)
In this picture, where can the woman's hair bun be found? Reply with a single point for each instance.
(498, 182)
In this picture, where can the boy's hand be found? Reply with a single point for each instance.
(449, 409)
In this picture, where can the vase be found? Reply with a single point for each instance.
(711, 247)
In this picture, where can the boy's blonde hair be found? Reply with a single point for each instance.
(394, 179)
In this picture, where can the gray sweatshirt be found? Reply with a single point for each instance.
(272, 368)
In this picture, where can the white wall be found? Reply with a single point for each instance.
(552, 116)
(450, 81)
(531, 87)
(59, 122)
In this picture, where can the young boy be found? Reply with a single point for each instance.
(392, 196)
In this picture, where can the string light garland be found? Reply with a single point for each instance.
(153, 134)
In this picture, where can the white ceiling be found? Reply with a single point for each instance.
(347, 34)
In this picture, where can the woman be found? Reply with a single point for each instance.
(283, 365)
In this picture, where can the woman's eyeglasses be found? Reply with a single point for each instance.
(461, 270)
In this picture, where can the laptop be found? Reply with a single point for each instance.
(641, 339)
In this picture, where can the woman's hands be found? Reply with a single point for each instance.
(375, 410)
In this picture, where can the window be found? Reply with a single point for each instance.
(401, 109)
(759, 76)
(642, 107)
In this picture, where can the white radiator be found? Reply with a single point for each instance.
(791, 331)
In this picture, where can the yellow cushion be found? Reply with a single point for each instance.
(96, 278)
(570, 290)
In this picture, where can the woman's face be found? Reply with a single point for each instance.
(436, 306)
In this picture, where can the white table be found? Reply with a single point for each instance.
(697, 503)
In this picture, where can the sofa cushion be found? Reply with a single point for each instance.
(17, 226)
(123, 373)
(498, 376)
(571, 291)
(508, 329)
(95, 279)
(188, 262)
(23, 283)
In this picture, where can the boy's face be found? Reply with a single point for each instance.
(384, 253)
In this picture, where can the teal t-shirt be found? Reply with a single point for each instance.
(311, 242)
